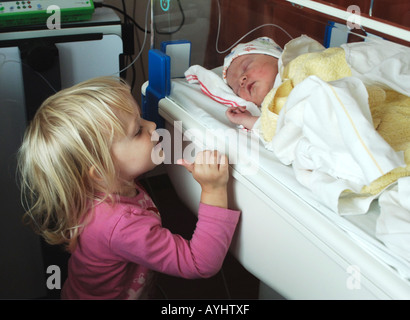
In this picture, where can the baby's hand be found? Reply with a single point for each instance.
(210, 169)
(239, 115)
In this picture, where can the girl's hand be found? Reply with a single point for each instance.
(210, 169)
(239, 115)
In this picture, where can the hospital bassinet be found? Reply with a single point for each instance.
(286, 238)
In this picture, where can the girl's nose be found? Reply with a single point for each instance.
(152, 126)
(149, 125)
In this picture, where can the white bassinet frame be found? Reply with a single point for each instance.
(285, 238)
(285, 242)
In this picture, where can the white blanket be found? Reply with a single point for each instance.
(325, 131)
(336, 148)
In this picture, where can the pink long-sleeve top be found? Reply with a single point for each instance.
(121, 243)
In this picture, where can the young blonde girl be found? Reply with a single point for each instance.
(79, 161)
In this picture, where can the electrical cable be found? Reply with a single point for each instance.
(228, 292)
(28, 67)
(253, 30)
(152, 25)
(144, 76)
(145, 29)
(180, 25)
(128, 56)
(136, 24)
(125, 11)
(98, 5)
(134, 76)
(145, 39)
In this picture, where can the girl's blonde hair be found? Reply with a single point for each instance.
(71, 133)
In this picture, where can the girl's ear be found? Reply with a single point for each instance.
(94, 174)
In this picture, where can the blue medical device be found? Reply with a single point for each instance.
(159, 85)
(160, 73)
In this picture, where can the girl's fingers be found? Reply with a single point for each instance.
(206, 157)
(188, 165)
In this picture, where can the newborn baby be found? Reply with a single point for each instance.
(250, 70)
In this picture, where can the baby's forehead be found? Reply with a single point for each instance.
(236, 62)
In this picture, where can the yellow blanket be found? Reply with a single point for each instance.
(390, 110)
(391, 118)
(329, 65)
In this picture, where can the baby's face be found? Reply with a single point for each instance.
(251, 76)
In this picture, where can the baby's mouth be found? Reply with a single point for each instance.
(249, 87)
